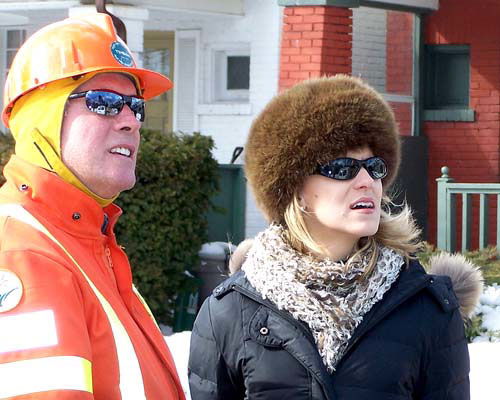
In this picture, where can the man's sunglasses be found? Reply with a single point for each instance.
(110, 103)
(346, 168)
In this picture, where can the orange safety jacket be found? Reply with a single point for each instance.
(72, 325)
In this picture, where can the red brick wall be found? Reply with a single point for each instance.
(315, 41)
(469, 149)
(399, 64)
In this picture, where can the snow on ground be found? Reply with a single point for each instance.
(489, 310)
(484, 358)
(178, 343)
(484, 351)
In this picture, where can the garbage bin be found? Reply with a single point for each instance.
(186, 307)
(214, 267)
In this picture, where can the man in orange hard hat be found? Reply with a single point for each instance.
(72, 325)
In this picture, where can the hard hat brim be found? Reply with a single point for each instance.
(152, 83)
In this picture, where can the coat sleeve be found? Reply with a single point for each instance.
(445, 367)
(210, 378)
(44, 346)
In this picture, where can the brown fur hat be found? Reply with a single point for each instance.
(312, 123)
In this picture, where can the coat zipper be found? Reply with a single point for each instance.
(110, 266)
(107, 251)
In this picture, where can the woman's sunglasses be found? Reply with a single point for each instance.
(346, 168)
(110, 103)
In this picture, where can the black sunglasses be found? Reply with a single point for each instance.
(346, 168)
(110, 103)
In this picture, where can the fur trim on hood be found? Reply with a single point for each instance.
(466, 278)
(238, 256)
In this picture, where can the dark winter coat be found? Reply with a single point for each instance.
(410, 345)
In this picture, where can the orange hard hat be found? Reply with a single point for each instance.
(71, 47)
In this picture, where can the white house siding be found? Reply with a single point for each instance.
(369, 45)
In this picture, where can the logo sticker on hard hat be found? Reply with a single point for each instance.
(121, 54)
(11, 290)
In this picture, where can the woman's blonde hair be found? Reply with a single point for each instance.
(396, 230)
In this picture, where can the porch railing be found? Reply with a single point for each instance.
(447, 192)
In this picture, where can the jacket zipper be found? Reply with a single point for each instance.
(107, 251)
(110, 266)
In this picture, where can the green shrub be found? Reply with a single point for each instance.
(473, 327)
(6, 150)
(486, 259)
(164, 222)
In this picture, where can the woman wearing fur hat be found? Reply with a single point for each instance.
(329, 302)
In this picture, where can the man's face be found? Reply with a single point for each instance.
(90, 142)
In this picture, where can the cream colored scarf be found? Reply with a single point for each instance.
(331, 298)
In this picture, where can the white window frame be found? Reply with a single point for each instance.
(217, 91)
(3, 58)
(220, 79)
(6, 49)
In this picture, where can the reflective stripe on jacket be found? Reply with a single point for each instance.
(80, 330)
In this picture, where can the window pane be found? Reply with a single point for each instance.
(157, 60)
(451, 72)
(399, 53)
(382, 55)
(238, 72)
(10, 57)
(14, 39)
(447, 77)
(369, 32)
(404, 116)
(382, 49)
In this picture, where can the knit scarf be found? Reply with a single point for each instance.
(331, 297)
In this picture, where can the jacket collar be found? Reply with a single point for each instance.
(44, 193)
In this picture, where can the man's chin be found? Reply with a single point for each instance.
(113, 189)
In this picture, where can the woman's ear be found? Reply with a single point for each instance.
(302, 203)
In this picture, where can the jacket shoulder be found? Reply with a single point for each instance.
(460, 277)
(224, 304)
(439, 287)
(229, 284)
(19, 237)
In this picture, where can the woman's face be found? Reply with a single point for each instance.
(342, 211)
